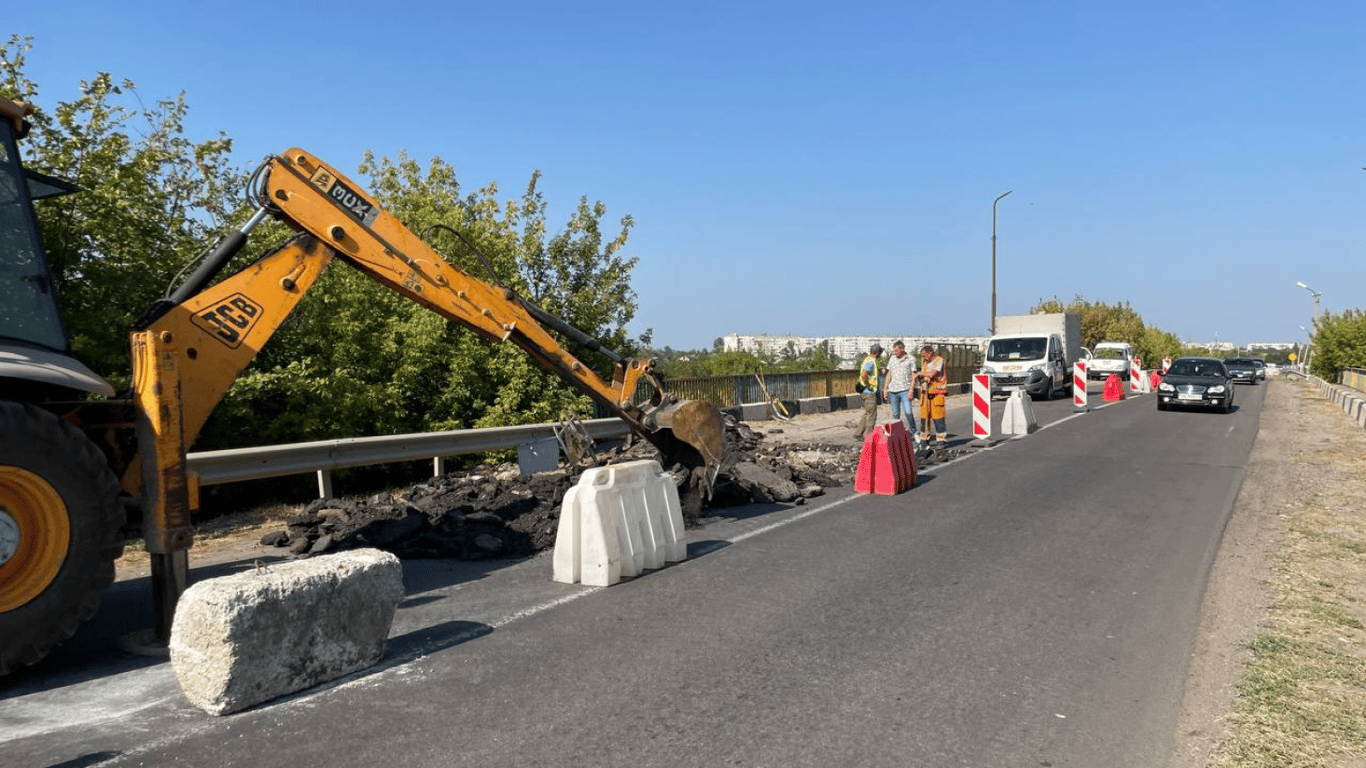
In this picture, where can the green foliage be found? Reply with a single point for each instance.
(1339, 342)
(718, 362)
(1119, 322)
(357, 358)
(150, 200)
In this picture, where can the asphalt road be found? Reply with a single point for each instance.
(1032, 604)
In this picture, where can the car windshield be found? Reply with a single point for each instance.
(1108, 353)
(1239, 363)
(1005, 350)
(1197, 368)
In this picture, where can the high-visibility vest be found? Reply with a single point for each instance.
(872, 378)
(939, 379)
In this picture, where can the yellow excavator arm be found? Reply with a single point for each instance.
(194, 344)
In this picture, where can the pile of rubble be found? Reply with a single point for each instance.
(493, 512)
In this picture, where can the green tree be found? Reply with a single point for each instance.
(1118, 322)
(1339, 342)
(151, 199)
(357, 358)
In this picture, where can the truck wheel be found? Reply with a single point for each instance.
(60, 517)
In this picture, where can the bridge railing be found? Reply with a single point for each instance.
(961, 361)
(323, 456)
(1353, 377)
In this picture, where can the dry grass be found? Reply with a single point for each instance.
(1302, 701)
(227, 531)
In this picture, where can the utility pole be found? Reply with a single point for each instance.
(1316, 323)
(993, 260)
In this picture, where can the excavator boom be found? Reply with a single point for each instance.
(316, 198)
(193, 345)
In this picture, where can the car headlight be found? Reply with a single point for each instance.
(1034, 368)
(988, 370)
(1217, 389)
(1165, 387)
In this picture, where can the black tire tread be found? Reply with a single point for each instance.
(38, 441)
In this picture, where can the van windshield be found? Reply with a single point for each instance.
(1108, 353)
(1005, 350)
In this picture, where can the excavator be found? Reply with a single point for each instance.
(75, 455)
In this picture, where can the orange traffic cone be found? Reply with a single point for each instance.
(1114, 391)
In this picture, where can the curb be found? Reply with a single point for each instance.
(1352, 402)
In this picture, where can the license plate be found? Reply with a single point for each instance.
(1189, 397)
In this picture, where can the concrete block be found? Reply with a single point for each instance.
(851, 402)
(815, 405)
(244, 639)
(754, 411)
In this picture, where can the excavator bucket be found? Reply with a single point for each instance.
(690, 432)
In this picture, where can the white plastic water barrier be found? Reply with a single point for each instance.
(617, 521)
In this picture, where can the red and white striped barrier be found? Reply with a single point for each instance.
(1079, 386)
(981, 406)
(1136, 375)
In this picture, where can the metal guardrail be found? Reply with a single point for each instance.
(239, 464)
(961, 361)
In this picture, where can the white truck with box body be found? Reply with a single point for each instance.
(1110, 357)
(1034, 353)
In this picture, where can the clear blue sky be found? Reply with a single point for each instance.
(826, 168)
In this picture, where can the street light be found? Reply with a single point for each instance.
(993, 260)
(1316, 322)
(1304, 364)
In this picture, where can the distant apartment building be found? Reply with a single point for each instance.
(849, 349)
(1228, 346)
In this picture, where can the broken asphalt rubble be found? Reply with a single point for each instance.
(493, 512)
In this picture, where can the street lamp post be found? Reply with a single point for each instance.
(1316, 323)
(993, 260)
(1304, 362)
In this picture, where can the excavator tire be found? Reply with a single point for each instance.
(60, 520)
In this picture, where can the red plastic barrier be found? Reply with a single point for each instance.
(887, 464)
(1114, 391)
(1155, 378)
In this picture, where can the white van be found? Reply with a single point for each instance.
(1110, 357)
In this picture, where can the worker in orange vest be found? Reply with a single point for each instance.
(934, 390)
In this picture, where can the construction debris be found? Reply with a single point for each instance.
(494, 512)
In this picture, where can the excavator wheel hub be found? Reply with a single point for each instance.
(34, 536)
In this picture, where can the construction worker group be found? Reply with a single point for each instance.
(900, 382)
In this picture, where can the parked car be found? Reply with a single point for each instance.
(1242, 369)
(1196, 382)
(1261, 368)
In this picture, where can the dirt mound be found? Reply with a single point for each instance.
(493, 512)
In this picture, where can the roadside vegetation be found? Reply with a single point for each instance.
(1339, 342)
(681, 364)
(355, 358)
(1302, 700)
(1116, 322)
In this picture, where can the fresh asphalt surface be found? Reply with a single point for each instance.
(1032, 604)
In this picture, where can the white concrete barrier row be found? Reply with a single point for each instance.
(1352, 402)
(617, 521)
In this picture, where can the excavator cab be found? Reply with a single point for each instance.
(60, 509)
(34, 351)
